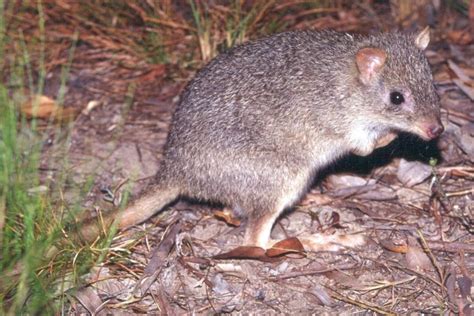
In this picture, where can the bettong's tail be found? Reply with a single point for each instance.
(153, 200)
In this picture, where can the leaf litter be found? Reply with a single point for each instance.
(417, 218)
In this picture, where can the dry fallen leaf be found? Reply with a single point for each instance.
(43, 107)
(465, 87)
(286, 247)
(221, 286)
(379, 193)
(411, 173)
(247, 252)
(466, 139)
(323, 296)
(464, 82)
(337, 181)
(120, 288)
(416, 258)
(394, 247)
(155, 72)
(227, 216)
(465, 286)
(461, 37)
(90, 106)
(458, 71)
(314, 198)
(90, 300)
(343, 186)
(413, 196)
(343, 279)
(450, 284)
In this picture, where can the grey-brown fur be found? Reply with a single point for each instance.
(256, 124)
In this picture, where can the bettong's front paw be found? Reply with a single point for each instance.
(385, 140)
(379, 143)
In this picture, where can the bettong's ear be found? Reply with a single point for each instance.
(422, 39)
(370, 62)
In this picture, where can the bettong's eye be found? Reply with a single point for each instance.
(396, 98)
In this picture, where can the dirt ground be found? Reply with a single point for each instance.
(418, 219)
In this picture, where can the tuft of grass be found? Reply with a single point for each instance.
(25, 232)
(34, 275)
(25, 227)
(203, 24)
(39, 264)
(219, 26)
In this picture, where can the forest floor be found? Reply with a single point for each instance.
(417, 218)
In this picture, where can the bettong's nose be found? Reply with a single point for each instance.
(435, 130)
